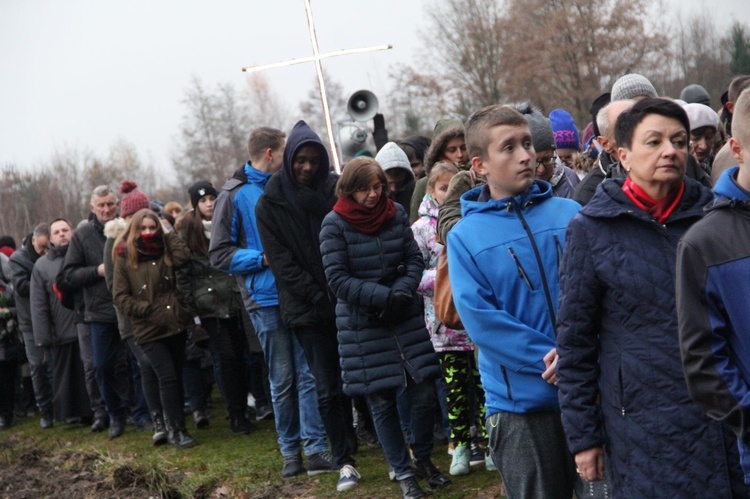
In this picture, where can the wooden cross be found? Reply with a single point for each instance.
(316, 58)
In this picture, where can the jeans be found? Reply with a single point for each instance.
(87, 357)
(321, 350)
(167, 356)
(40, 363)
(106, 345)
(531, 454)
(295, 402)
(388, 426)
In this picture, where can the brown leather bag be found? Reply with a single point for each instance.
(445, 309)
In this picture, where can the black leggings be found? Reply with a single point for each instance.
(167, 357)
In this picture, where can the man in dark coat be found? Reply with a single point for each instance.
(54, 328)
(712, 259)
(236, 248)
(21, 265)
(289, 213)
(84, 269)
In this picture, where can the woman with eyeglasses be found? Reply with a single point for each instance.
(373, 266)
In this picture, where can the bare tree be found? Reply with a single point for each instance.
(311, 108)
(264, 106)
(565, 53)
(416, 102)
(464, 46)
(212, 135)
(698, 55)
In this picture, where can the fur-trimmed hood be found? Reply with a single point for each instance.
(115, 227)
(450, 129)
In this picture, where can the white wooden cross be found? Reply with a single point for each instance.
(316, 58)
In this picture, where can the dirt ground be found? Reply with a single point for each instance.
(29, 472)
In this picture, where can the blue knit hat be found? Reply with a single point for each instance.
(564, 129)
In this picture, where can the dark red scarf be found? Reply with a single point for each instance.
(659, 210)
(149, 247)
(365, 220)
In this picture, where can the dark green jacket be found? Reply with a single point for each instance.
(149, 296)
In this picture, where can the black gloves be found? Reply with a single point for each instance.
(397, 307)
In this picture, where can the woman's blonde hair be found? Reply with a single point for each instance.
(438, 170)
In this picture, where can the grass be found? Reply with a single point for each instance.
(221, 466)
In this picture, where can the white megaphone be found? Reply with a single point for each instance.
(352, 139)
(362, 105)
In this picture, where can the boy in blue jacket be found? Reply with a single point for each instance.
(503, 261)
(713, 265)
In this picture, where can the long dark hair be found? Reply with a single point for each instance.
(190, 228)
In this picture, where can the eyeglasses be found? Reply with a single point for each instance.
(549, 161)
(566, 160)
(375, 188)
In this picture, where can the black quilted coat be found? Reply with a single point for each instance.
(362, 271)
(621, 383)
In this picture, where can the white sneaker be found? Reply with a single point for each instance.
(348, 478)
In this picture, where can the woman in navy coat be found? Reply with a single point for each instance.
(624, 399)
(373, 266)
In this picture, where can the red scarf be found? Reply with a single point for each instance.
(365, 220)
(659, 210)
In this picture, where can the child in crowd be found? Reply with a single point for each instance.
(454, 349)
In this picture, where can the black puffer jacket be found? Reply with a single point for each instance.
(289, 230)
(620, 377)
(363, 272)
(84, 256)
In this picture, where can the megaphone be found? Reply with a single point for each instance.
(352, 139)
(362, 105)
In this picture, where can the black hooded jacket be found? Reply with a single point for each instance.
(289, 217)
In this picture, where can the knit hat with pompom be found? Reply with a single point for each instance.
(132, 199)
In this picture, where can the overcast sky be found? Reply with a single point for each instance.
(86, 73)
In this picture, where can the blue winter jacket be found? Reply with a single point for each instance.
(235, 243)
(619, 371)
(503, 258)
(713, 265)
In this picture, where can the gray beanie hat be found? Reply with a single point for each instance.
(392, 156)
(542, 134)
(695, 94)
(632, 85)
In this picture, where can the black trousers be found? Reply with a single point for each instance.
(167, 357)
(228, 346)
(322, 353)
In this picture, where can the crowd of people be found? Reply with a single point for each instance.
(563, 305)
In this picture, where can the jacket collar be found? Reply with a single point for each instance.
(611, 202)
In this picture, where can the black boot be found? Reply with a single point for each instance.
(178, 436)
(410, 489)
(160, 431)
(239, 423)
(428, 471)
